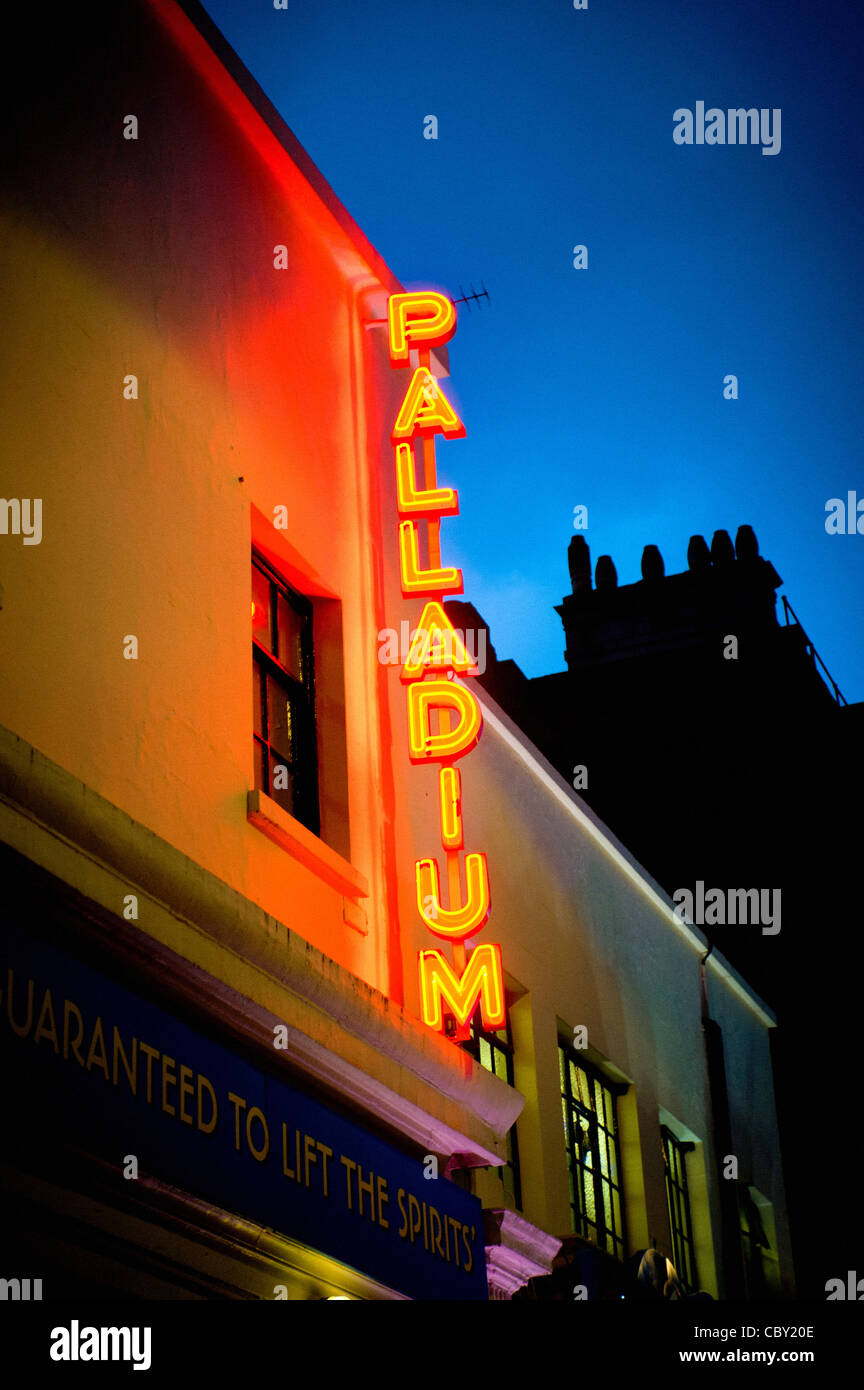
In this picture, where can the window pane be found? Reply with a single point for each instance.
(257, 702)
(583, 1139)
(261, 624)
(599, 1103)
(261, 767)
(281, 783)
(290, 630)
(588, 1186)
(606, 1204)
(604, 1161)
(280, 723)
(584, 1089)
(613, 1166)
(574, 1082)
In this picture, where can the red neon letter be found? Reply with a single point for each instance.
(450, 792)
(436, 646)
(442, 501)
(423, 745)
(423, 316)
(426, 410)
(415, 580)
(454, 923)
(483, 979)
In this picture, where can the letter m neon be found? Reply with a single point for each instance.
(483, 980)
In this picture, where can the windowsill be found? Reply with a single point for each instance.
(265, 813)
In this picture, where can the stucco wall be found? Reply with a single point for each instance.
(155, 257)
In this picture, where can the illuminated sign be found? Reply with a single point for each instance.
(93, 1067)
(444, 719)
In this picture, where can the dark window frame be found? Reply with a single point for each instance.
(596, 1138)
(678, 1207)
(300, 691)
(499, 1047)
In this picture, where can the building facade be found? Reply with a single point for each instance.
(705, 730)
(213, 1032)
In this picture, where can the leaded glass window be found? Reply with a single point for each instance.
(678, 1205)
(589, 1107)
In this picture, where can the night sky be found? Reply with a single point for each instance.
(604, 386)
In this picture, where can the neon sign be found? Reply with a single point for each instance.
(444, 719)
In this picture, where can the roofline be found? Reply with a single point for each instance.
(173, 12)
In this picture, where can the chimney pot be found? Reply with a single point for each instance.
(746, 544)
(698, 555)
(653, 567)
(722, 549)
(605, 575)
(579, 564)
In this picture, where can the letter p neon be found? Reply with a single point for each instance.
(422, 316)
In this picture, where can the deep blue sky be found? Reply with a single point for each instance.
(605, 386)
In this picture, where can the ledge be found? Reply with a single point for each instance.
(341, 1030)
(265, 813)
(516, 1251)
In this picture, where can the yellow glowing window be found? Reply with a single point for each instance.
(494, 1051)
(589, 1113)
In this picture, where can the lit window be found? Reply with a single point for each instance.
(494, 1051)
(286, 764)
(589, 1108)
(678, 1205)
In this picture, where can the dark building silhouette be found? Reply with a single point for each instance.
(701, 725)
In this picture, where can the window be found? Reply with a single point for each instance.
(675, 1153)
(494, 1051)
(286, 763)
(759, 1242)
(589, 1106)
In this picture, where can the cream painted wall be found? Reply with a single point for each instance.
(586, 942)
(155, 257)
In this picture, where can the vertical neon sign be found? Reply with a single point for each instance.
(444, 719)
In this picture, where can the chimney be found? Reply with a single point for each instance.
(746, 544)
(652, 564)
(605, 575)
(722, 550)
(698, 555)
(579, 564)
